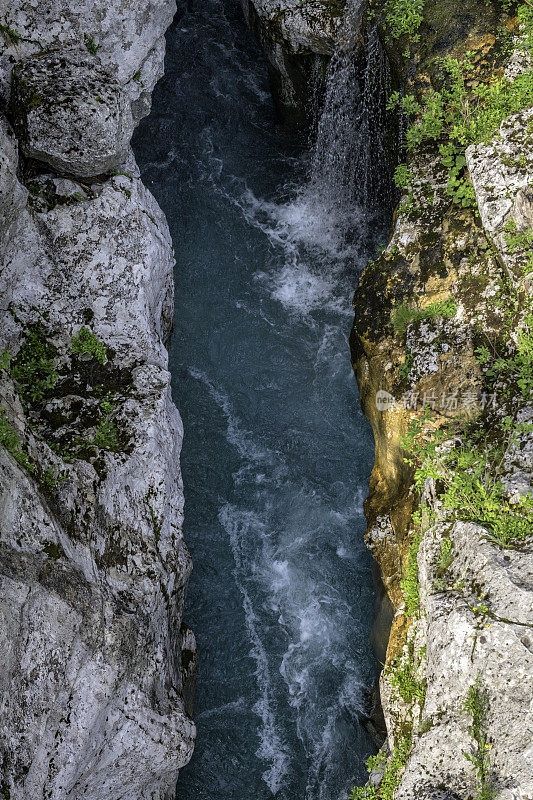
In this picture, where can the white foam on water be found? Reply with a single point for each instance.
(238, 525)
(238, 706)
(325, 758)
(281, 577)
(322, 677)
(299, 290)
(316, 250)
(304, 221)
(317, 253)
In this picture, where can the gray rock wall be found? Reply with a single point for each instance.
(471, 624)
(93, 566)
(298, 40)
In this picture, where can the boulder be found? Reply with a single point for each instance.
(126, 38)
(70, 113)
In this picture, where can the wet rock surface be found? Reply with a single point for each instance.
(297, 39)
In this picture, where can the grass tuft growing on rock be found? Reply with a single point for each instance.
(107, 435)
(404, 315)
(402, 674)
(476, 706)
(410, 584)
(10, 35)
(472, 489)
(10, 440)
(90, 44)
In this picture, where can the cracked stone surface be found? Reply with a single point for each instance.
(128, 37)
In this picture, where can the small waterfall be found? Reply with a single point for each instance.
(350, 164)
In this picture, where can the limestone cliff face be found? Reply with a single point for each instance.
(470, 622)
(476, 612)
(97, 666)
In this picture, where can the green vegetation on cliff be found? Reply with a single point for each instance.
(404, 17)
(461, 117)
(463, 110)
(476, 706)
(469, 473)
(10, 440)
(392, 767)
(404, 314)
(87, 343)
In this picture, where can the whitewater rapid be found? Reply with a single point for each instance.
(277, 453)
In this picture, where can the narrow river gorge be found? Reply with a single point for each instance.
(294, 264)
(277, 453)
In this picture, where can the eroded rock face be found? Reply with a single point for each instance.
(457, 641)
(72, 253)
(70, 113)
(468, 621)
(297, 39)
(500, 171)
(99, 669)
(12, 194)
(126, 38)
(93, 567)
(304, 27)
(90, 685)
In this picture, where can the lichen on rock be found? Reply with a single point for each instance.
(70, 114)
(99, 668)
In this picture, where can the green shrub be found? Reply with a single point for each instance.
(405, 369)
(525, 18)
(106, 436)
(90, 44)
(410, 585)
(520, 242)
(446, 554)
(463, 111)
(33, 368)
(471, 489)
(476, 706)
(11, 36)
(51, 478)
(403, 679)
(403, 176)
(10, 440)
(392, 772)
(86, 342)
(462, 114)
(476, 494)
(403, 18)
(516, 367)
